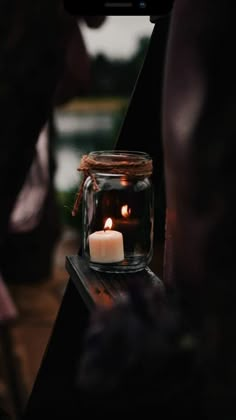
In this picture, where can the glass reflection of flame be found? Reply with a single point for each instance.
(125, 211)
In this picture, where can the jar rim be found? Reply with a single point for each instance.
(120, 154)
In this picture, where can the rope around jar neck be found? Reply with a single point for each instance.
(88, 164)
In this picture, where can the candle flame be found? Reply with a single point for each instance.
(108, 224)
(125, 211)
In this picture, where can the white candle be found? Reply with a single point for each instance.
(106, 246)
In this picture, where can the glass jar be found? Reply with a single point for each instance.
(117, 212)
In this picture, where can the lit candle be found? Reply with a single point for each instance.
(106, 246)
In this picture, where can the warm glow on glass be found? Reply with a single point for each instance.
(108, 224)
(125, 211)
(124, 182)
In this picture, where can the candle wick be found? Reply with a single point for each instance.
(106, 229)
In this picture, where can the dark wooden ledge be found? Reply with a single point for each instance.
(98, 288)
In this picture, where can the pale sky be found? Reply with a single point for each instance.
(118, 36)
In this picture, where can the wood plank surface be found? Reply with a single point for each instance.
(103, 289)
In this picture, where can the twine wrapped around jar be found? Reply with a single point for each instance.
(89, 164)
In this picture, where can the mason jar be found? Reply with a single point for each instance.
(117, 211)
